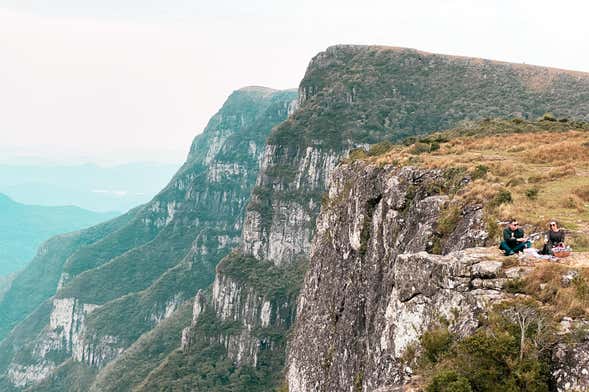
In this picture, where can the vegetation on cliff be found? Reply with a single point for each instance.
(362, 94)
(357, 95)
(508, 352)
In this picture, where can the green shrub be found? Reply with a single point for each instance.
(436, 343)
(515, 286)
(479, 172)
(449, 381)
(493, 228)
(532, 193)
(380, 148)
(581, 287)
(489, 360)
(357, 154)
(548, 117)
(502, 197)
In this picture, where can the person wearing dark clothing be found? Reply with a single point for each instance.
(513, 239)
(554, 237)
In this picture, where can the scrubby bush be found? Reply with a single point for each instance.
(582, 193)
(536, 178)
(449, 381)
(420, 148)
(380, 148)
(532, 193)
(581, 287)
(508, 353)
(502, 197)
(357, 153)
(515, 181)
(574, 202)
(514, 286)
(480, 171)
(436, 343)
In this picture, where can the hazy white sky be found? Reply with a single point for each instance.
(124, 80)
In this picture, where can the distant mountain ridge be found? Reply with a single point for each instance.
(24, 227)
(97, 188)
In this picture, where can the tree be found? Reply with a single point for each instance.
(530, 320)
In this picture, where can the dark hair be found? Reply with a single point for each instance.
(512, 220)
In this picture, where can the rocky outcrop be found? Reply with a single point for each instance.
(571, 366)
(372, 289)
(249, 317)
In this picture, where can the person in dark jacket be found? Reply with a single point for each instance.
(554, 237)
(513, 239)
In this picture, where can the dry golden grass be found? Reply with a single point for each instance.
(582, 192)
(545, 284)
(546, 173)
(566, 151)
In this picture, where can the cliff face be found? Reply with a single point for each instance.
(372, 289)
(116, 289)
(352, 96)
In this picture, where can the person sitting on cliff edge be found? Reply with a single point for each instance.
(553, 238)
(513, 239)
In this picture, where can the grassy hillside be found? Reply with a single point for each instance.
(535, 171)
(358, 94)
(145, 355)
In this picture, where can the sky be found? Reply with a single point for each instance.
(117, 81)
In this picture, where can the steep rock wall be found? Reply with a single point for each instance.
(372, 288)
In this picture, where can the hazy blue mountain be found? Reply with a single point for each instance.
(97, 188)
(24, 227)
